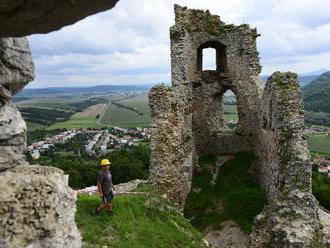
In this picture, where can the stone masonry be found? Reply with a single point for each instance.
(37, 207)
(188, 121)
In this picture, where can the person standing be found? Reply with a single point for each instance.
(105, 187)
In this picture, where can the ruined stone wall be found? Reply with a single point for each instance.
(171, 151)
(37, 207)
(188, 121)
(285, 157)
(291, 218)
(239, 61)
(198, 94)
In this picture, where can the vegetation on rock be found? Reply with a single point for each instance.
(233, 197)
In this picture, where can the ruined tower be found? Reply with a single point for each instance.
(188, 121)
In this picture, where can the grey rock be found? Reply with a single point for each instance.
(12, 137)
(16, 66)
(23, 17)
(37, 209)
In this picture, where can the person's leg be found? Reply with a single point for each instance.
(101, 207)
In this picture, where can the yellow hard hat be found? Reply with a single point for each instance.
(105, 162)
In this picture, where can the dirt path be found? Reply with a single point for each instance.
(230, 236)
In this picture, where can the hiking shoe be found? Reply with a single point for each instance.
(96, 213)
(111, 213)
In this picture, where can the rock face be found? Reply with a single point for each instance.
(24, 17)
(16, 70)
(188, 121)
(37, 207)
(16, 66)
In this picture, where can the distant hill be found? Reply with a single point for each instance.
(306, 80)
(102, 89)
(303, 79)
(317, 94)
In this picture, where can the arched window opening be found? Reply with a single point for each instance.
(212, 56)
(209, 59)
(230, 109)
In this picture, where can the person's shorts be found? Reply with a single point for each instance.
(107, 198)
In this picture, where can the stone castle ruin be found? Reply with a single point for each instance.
(37, 207)
(188, 121)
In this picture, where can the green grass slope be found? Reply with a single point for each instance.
(233, 197)
(140, 221)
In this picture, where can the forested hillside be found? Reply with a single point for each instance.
(317, 100)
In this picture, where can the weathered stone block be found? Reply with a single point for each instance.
(16, 66)
(37, 209)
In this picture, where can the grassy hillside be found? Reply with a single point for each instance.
(140, 221)
(317, 94)
(306, 80)
(233, 197)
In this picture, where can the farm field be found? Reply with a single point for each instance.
(118, 116)
(31, 126)
(61, 112)
(87, 118)
(230, 112)
(319, 143)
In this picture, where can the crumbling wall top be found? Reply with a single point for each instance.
(195, 20)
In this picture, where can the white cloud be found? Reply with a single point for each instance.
(131, 41)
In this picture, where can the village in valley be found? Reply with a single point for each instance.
(98, 141)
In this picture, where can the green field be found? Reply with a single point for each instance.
(117, 116)
(319, 143)
(31, 126)
(84, 119)
(231, 113)
(114, 115)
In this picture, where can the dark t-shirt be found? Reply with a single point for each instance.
(105, 179)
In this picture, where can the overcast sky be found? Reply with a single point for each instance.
(130, 43)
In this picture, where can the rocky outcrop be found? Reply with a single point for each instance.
(16, 66)
(37, 208)
(16, 71)
(24, 17)
(12, 137)
(122, 188)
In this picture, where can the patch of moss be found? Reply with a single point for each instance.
(317, 242)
